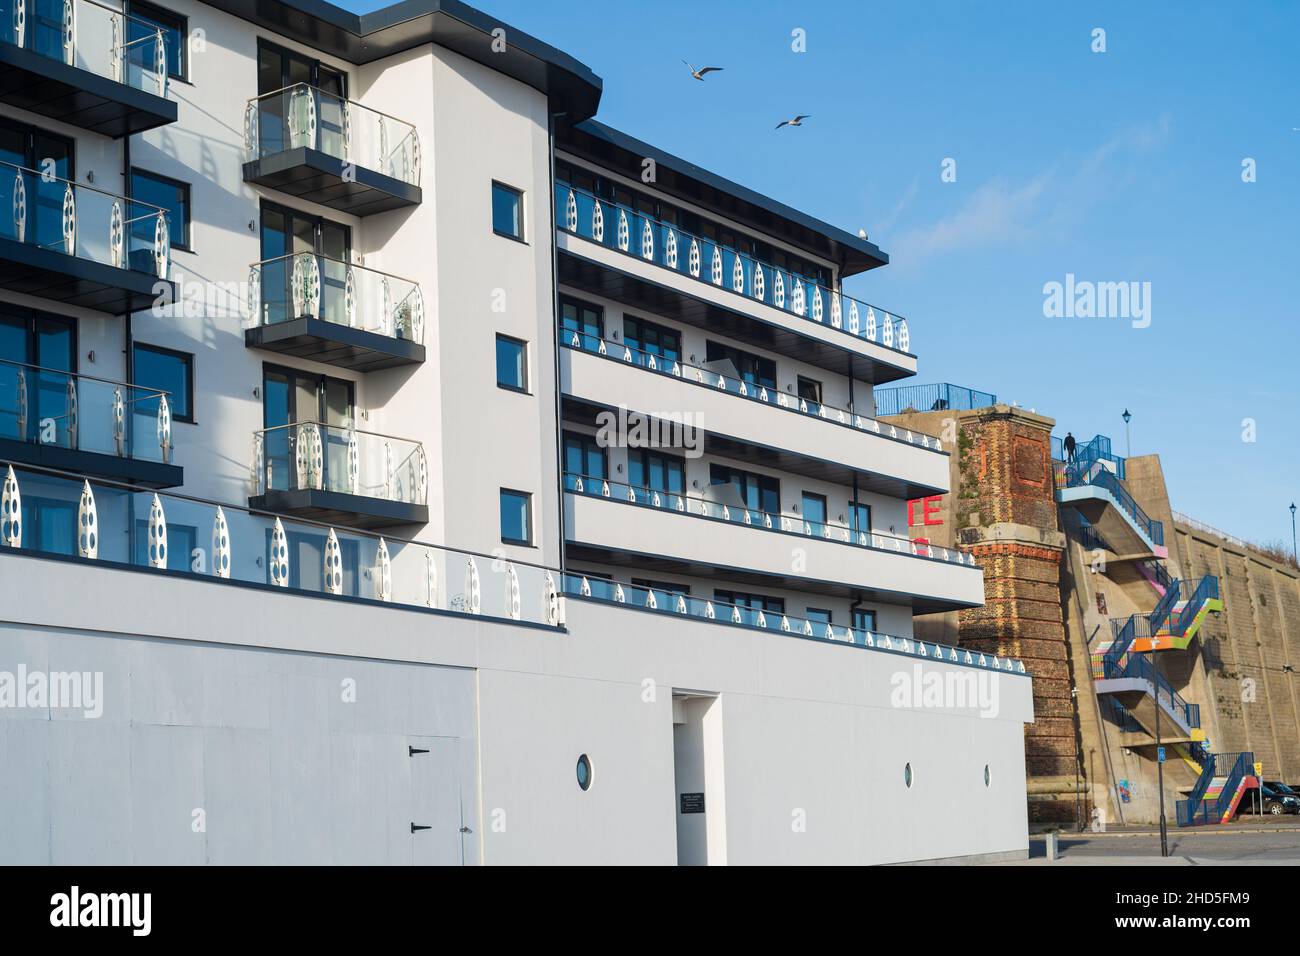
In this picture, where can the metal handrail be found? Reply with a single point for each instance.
(343, 99)
(92, 378)
(753, 289)
(343, 262)
(94, 189)
(760, 520)
(752, 391)
(584, 586)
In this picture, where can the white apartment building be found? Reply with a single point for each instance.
(400, 465)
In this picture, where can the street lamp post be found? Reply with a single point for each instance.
(1160, 764)
(1294, 556)
(1128, 437)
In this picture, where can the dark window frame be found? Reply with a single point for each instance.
(528, 518)
(187, 191)
(526, 387)
(160, 17)
(187, 359)
(523, 221)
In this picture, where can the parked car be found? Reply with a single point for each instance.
(1276, 798)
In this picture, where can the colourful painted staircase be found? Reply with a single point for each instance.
(1183, 620)
(1217, 794)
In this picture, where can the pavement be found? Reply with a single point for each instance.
(1264, 843)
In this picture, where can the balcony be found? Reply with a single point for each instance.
(750, 423)
(672, 603)
(618, 523)
(330, 311)
(313, 145)
(45, 514)
(98, 69)
(332, 474)
(86, 425)
(617, 252)
(81, 246)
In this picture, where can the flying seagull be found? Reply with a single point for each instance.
(797, 121)
(699, 74)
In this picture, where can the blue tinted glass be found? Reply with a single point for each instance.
(170, 196)
(514, 517)
(506, 216)
(165, 372)
(818, 615)
(511, 369)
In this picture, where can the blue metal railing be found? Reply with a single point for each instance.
(1232, 767)
(679, 603)
(632, 233)
(1096, 449)
(675, 367)
(1155, 569)
(1138, 666)
(1178, 621)
(930, 398)
(1123, 717)
(1077, 475)
(698, 507)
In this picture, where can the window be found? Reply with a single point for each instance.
(584, 772)
(145, 18)
(752, 368)
(814, 512)
(860, 517)
(749, 602)
(507, 211)
(512, 363)
(586, 320)
(166, 371)
(818, 615)
(516, 517)
(652, 339)
(182, 540)
(170, 194)
(583, 458)
(810, 391)
(757, 492)
(663, 587)
(864, 620)
(658, 472)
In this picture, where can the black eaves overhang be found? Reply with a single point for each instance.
(571, 87)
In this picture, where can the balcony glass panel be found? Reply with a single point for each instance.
(89, 36)
(664, 244)
(310, 456)
(302, 116)
(304, 285)
(674, 603)
(83, 222)
(80, 413)
(236, 545)
(773, 397)
(704, 508)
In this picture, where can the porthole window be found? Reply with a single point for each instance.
(907, 774)
(584, 772)
(987, 775)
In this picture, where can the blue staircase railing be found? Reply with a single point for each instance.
(1139, 667)
(1178, 621)
(1094, 450)
(1232, 767)
(1086, 534)
(1079, 474)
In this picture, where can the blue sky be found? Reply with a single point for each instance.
(1122, 166)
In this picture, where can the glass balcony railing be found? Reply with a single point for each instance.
(304, 285)
(670, 603)
(303, 116)
(49, 512)
(636, 234)
(310, 456)
(89, 36)
(84, 222)
(742, 388)
(42, 406)
(699, 507)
